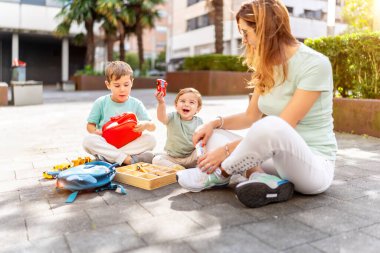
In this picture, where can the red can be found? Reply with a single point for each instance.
(161, 86)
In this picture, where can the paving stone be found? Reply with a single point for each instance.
(58, 224)
(349, 242)
(172, 189)
(167, 204)
(35, 208)
(22, 165)
(133, 193)
(114, 238)
(372, 166)
(38, 193)
(271, 231)
(29, 173)
(219, 216)
(84, 200)
(10, 212)
(16, 185)
(370, 183)
(360, 208)
(303, 249)
(343, 190)
(312, 201)
(54, 244)
(165, 228)
(227, 240)
(273, 210)
(7, 175)
(373, 230)
(13, 231)
(352, 172)
(330, 220)
(109, 215)
(173, 247)
(169, 218)
(217, 196)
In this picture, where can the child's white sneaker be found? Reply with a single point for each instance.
(262, 189)
(195, 180)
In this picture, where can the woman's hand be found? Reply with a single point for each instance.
(203, 133)
(212, 160)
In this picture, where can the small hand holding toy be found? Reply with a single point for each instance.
(161, 86)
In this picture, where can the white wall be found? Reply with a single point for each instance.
(202, 40)
(31, 17)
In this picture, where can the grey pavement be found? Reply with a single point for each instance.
(34, 217)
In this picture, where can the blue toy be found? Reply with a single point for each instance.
(96, 175)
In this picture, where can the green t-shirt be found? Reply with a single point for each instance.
(311, 71)
(104, 108)
(179, 135)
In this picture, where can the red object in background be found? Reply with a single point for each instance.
(161, 86)
(118, 131)
(18, 63)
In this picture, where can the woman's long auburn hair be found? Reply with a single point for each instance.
(270, 21)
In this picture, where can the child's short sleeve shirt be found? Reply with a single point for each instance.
(104, 108)
(179, 135)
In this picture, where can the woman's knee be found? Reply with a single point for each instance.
(219, 138)
(270, 127)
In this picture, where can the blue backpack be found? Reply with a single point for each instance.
(96, 175)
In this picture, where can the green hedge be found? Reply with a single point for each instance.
(214, 62)
(355, 60)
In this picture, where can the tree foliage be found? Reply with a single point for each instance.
(355, 60)
(358, 14)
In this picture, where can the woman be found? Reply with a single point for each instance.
(294, 147)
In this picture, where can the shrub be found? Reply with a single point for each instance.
(88, 71)
(214, 62)
(355, 60)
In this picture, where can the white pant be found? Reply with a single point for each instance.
(97, 145)
(275, 146)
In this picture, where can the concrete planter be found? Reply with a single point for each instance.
(84, 82)
(145, 82)
(210, 83)
(358, 116)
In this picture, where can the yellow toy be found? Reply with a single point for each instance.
(65, 166)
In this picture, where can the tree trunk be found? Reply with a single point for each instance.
(218, 23)
(110, 40)
(121, 40)
(139, 34)
(90, 43)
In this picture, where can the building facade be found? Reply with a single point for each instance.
(191, 31)
(26, 33)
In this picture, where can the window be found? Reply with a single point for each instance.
(317, 14)
(191, 2)
(290, 10)
(198, 22)
(33, 2)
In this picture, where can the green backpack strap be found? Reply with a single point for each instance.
(72, 197)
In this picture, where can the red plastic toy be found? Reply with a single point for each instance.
(119, 130)
(161, 86)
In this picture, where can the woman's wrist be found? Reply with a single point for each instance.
(227, 150)
(217, 123)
